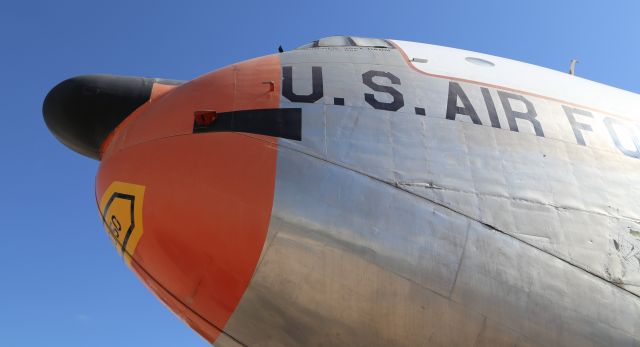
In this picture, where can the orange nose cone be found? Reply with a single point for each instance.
(200, 203)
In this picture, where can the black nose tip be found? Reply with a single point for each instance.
(82, 111)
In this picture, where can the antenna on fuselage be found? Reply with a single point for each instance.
(572, 67)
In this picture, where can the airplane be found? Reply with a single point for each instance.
(369, 192)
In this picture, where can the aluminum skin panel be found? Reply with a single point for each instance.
(577, 201)
(352, 261)
(422, 210)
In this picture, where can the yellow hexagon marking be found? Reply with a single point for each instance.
(121, 210)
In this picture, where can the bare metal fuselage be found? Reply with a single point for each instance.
(455, 227)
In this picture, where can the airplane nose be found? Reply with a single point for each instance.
(82, 111)
(187, 207)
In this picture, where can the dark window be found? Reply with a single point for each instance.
(335, 41)
(366, 42)
(347, 41)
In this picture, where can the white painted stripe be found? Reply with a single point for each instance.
(521, 76)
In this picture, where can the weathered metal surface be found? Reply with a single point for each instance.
(395, 228)
(366, 264)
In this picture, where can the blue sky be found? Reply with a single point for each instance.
(61, 281)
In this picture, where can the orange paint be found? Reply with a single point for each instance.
(208, 197)
(157, 91)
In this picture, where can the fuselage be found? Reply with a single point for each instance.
(363, 192)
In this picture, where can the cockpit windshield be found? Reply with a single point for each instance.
(347, 41)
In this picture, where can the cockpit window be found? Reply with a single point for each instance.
(347, 41)
(366, 42)
(335, 41)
